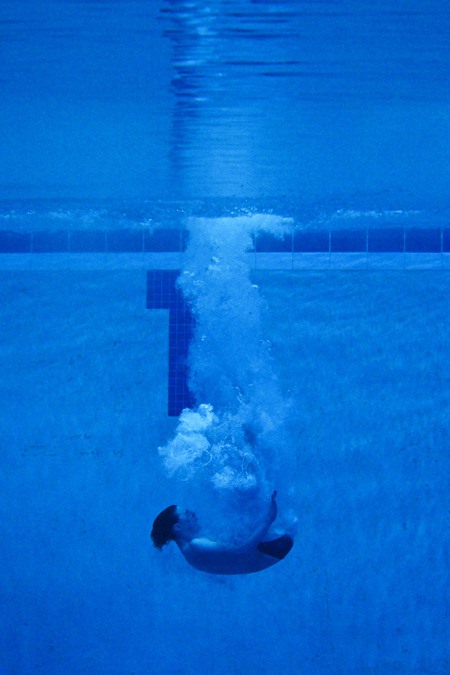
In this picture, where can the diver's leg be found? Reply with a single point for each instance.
(277, 548)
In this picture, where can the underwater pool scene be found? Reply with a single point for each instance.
(225, 286)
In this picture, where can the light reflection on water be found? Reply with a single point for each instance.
(271, 97)
(223, 98)
(306, 50)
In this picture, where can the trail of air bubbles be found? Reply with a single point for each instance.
(227, 441)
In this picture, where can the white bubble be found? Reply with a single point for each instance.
(227, 441)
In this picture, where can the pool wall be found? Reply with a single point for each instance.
(362, 358)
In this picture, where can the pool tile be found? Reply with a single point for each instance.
(15, 242)
(125, 241)
(163, 240)
(273, 261)
(265, 242)
(163, 293)
(423, 261)
(348, 241)
(421, 240)
(85, 241)
(386, 261)
(311, 242)
(348, 261)
(446, 240)
(50, 242)
(389, 240)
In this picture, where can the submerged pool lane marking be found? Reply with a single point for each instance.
(396, 248)
(163, 293)
(164, 240)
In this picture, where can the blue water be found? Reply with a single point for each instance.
(225, 99)
(225, 118)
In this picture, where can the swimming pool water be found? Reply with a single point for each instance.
(242, 204)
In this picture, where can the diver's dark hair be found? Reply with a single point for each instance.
(162, 531)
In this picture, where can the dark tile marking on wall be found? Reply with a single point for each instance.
(87, 241)
(163, 293)
(50, 242)
(268, 243)
(446, 240)
(349, 241)
(311, 242)
(125, 241)
(163, 241)
(423, 240)
(15, 242)
(389, 240)
(386, 240)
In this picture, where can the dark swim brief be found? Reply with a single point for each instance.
(278, 548)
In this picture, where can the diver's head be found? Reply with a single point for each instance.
(163, 526)
(172, 524)
(187, 526)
